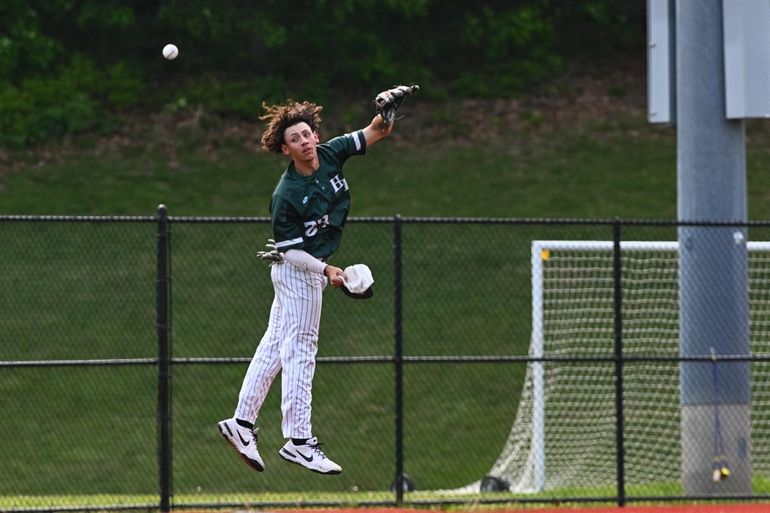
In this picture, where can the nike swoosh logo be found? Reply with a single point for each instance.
(308, 459)
(244, 442)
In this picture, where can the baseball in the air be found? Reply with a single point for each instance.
(170, 51)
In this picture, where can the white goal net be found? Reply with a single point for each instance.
(564, 431)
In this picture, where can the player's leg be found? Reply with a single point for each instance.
(264, 367)
(302, 316)
(303, 294)
(239, 431)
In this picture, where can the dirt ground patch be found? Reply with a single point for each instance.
(707, 508)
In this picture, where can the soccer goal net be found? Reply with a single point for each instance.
(564, 431)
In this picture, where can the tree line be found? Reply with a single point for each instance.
(74, 65)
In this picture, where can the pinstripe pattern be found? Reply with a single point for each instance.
(308, 213)
(289, 345)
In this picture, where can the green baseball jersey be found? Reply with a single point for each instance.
(309, 212)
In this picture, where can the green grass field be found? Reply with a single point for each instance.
(557, 174)
(87, 291)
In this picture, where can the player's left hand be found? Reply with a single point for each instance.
(271, 254)
(384, 128)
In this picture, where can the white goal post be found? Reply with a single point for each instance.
(563, 433)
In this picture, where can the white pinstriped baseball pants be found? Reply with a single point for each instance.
(289, 345)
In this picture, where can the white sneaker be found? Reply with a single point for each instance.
(310, 456)
(244, 441)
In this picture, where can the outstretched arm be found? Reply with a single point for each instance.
(307, 262)
(377, 130)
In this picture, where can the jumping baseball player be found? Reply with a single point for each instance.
(308, 209)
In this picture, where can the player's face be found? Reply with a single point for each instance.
(300, 142)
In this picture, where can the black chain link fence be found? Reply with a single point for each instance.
(124, 340)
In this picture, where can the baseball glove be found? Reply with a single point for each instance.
(388, 102)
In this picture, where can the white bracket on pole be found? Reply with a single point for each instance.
(747, 58)
(661, 70)
(746, 51)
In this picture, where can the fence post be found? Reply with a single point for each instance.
(398, 353)
(617, 275)
(162, 289)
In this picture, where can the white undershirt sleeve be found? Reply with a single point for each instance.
(305, 261)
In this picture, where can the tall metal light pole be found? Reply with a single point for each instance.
(713, 276)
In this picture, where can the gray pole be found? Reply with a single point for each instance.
(713, 275)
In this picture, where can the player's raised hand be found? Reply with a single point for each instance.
(271, 254)
(380, 124)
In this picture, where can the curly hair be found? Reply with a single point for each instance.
(282, 116)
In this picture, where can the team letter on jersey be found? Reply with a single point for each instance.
(338, 183)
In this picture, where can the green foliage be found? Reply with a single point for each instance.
(79, 97)
(105, 15)
(236, 54)
(121, 86)
(239, 98)
(42, 108)
(594, 30)
(25, 49)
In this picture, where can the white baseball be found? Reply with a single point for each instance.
(170, 51)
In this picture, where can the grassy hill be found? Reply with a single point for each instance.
(583, 149)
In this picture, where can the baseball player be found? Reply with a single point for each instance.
(308, 208)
